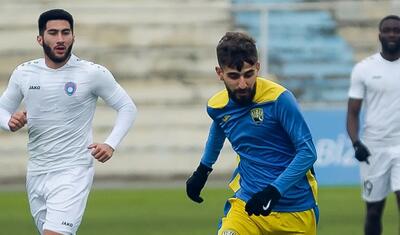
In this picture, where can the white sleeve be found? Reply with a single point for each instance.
(115, 96)
(10, 101)
(357, 85)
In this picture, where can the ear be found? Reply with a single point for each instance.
(219, 72)
(258, 66)
(39, 39)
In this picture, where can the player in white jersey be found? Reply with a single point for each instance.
(59, 93)
(375, 85)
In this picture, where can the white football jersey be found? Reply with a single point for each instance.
(377, 82)
(60, 105)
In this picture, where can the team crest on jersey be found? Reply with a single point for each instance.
(257, 114)
(70, 88)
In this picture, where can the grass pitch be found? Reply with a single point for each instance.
(169, 212)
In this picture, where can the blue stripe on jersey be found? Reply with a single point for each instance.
(272, 140)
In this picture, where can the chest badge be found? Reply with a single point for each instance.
(257, 114)
(70, 88)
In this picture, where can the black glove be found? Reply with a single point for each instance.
(261, 203)
(196, 182)
(361, 151)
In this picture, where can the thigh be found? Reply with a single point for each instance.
(288, 223)
(236, 221)
(66, 196)
(375, 176)
(37, 202)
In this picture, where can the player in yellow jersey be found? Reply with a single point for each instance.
(275, 189)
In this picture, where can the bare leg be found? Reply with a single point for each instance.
(48, 232)
(373, 219)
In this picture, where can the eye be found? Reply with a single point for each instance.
(249, 74)
(233, 76)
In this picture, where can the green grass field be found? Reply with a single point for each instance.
(169, 212)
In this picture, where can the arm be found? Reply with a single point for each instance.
(115, 96)
(196, 182)
(10, 100)
(356, 94)
(353, 118)
(294, 124)
(353, 125)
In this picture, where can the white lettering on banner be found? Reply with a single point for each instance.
(337, 152)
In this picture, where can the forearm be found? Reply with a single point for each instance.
(127, 112)
(214, 144)
(4, 119)
(353, 124)
(297, 169)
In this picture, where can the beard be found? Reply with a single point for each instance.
(390, 48)
(52, 56)
(242, 97)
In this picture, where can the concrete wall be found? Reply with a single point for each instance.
(162, 53)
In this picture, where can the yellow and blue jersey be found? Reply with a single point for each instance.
(273, 143)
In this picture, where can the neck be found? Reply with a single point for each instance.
(390, 56)
(54, 65)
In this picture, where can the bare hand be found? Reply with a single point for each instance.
(17, 120)
(101, 152)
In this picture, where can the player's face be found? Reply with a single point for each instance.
(57, 41)
(240, 84)
(390, 36)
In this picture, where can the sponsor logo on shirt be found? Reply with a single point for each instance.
(257, 114)
(34, 87)
(376, 77)
(67, 224)
(226, 118)
(70, 88)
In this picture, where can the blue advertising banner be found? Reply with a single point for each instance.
(336, 164)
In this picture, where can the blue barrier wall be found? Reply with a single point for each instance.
(336, 164)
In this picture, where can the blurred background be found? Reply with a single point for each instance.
(163, 54)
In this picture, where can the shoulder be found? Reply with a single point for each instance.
(267, 91)
(31, 65)
(368, 61)
(219, 100)
(89, 66)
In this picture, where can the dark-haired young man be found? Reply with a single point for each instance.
(376, 80)
(275, 189)
(60, 93)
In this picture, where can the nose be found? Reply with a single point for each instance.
(242, 83)
(60, 37)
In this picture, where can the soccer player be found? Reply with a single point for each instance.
(60, 93)
(275, 189)
(376, 81)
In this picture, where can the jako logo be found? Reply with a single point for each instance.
(34, 87)
(67, 224)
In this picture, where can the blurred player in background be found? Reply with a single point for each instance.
(376, 80)
(275, 189)
(60, 92)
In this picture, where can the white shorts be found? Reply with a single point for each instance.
(58, 199)
(382, 174)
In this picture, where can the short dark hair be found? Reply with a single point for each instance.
(54, 14)
(235, 48)
(389, 17)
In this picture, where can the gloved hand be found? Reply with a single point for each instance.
(261, 203)
(196, 182)
(361, 151)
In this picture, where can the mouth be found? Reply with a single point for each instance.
(60, 50)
